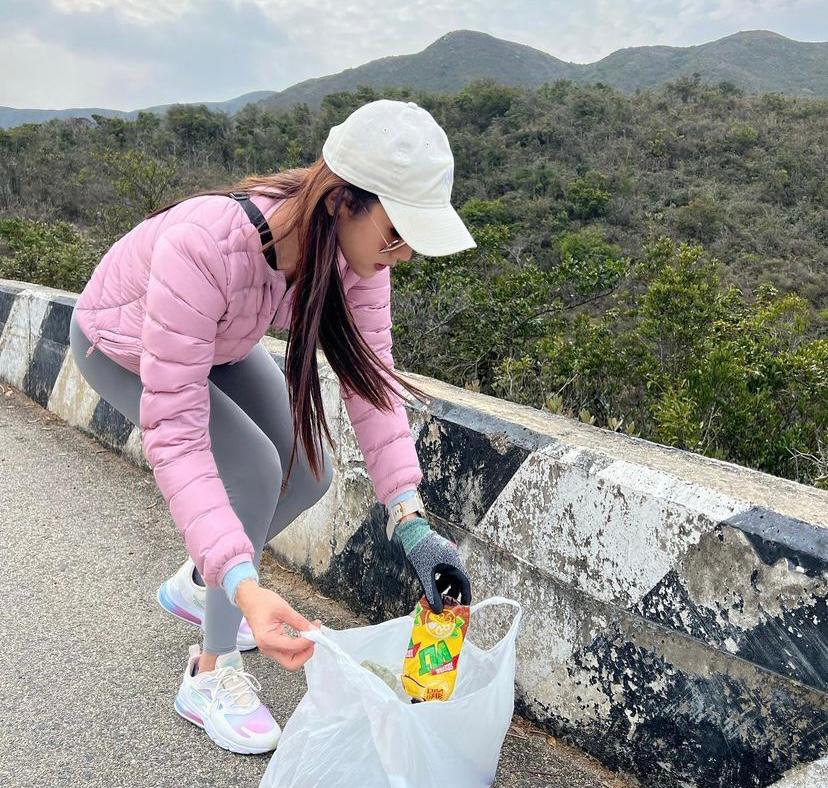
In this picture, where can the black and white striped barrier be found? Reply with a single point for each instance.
(675, 620)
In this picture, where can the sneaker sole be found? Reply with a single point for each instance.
(216, 737)
(168, 604)
(166, 601)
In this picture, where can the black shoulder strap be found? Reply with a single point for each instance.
(260, 223)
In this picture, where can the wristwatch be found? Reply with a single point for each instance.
(401, 509)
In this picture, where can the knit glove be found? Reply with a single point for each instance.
(430, 554)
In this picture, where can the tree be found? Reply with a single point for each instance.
(481, 101)
(141, 182)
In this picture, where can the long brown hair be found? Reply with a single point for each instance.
(320, 313)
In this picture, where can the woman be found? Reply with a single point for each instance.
(177, 307)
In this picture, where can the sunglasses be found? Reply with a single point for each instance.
(389, 246)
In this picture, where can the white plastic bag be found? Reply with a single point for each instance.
(351, 729)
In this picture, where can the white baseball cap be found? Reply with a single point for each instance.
(396, 150)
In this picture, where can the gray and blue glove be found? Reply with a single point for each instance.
(431, 555)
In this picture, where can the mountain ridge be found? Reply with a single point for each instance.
(753, 60)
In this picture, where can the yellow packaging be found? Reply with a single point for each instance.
(430, 665)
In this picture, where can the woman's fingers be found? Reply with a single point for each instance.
(286, 643)
(291, 655)
(295, 619)
(290, 652)
(268, 625)
(295, 661)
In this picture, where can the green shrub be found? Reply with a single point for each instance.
(51, 254)
(588, 196)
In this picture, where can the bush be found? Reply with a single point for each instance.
(55, 255)
(701, 219)
(588, 196)
(588, 263)
(742, 137)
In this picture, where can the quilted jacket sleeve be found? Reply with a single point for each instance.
(384, 437)
(186, 296)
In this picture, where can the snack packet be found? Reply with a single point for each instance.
(430, 664)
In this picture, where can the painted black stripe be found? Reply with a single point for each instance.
(793, 643)
(55, 325)
(110, 425)
(7, 296)
(47, 359)
(462, 458)
(673, 726)
(775, 535)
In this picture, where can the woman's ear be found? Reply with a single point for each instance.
(331, 198)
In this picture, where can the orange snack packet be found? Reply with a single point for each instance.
(430, 664)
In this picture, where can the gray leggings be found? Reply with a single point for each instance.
(251, 433)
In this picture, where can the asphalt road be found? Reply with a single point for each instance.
(90, 663)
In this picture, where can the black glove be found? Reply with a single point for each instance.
(429, 555)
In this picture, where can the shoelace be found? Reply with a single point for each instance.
(236, 683)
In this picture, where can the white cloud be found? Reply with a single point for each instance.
(207, 50)
(344, 35)
(741, 10)
(41, 76)
(141, 12)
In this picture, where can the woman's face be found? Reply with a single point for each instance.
(361, 239)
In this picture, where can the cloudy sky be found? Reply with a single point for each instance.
(128, 54)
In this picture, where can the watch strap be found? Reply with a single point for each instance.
(400, 510)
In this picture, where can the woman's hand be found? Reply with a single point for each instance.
(267, 613)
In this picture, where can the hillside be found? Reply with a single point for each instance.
(9, 116)
(650, 262)
(757, 61)
(445, 66)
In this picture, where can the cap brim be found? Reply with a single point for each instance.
(433, 232)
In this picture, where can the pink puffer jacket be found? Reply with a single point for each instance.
(188, 289)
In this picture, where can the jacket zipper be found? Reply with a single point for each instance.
(92, 347)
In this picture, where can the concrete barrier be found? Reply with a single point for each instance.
(675, 605)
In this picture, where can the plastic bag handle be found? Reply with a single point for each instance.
(317, 636)
(501, 600)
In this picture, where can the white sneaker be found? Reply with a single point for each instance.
(185, 599)
(224, 703)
